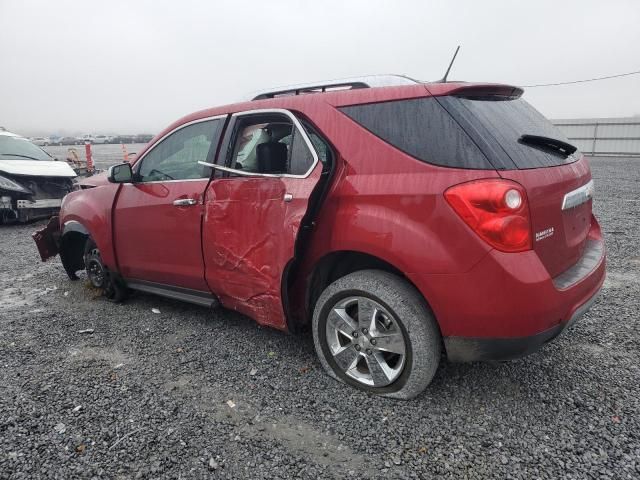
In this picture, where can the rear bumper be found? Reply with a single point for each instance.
(508, 305)
(467, 349)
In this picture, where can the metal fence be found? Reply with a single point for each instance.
(603, 136)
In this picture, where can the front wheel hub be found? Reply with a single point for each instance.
(95, 270)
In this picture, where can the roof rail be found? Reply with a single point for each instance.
(370, 81)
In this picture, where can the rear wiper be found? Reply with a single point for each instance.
(21, 156)
(549, 143)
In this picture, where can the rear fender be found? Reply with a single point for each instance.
(409, 231)
(414, 233)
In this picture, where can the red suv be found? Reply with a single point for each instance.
(394, 218)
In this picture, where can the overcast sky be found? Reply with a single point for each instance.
(135, 66)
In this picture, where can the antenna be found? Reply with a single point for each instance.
(444, 79)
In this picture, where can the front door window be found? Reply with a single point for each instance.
(177, 156)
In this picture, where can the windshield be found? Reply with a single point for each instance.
(18, 148)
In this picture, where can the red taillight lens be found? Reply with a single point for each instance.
(497, 210)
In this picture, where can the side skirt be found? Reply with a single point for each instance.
(205, 299)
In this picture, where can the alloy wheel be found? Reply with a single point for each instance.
(366, 341)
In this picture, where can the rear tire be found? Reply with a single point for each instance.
(374, 331)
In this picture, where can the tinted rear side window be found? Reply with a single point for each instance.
(502, 122)
(421, 128)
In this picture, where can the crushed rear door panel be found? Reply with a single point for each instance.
(249, 236)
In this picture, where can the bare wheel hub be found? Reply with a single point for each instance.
(95, 269)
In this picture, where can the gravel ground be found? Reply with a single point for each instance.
(190, 393)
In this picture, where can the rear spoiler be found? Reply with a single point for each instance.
(487, 91)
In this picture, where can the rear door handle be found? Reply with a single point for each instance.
(288, 197)
(184, 202)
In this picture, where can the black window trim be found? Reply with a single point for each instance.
(478, 133)
(214, 147)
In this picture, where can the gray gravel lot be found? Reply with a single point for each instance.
(146, 394)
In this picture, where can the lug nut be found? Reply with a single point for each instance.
(357, 347)
(369, 352)
(373, 341)
(364, 330)
(355, 334)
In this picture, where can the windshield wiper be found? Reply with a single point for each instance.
(548, 143)
(21, 156)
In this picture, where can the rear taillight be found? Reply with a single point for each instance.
(496, 210)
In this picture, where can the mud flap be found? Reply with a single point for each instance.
(48, 239)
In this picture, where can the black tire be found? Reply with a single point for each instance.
(100, 276)
(408, 311)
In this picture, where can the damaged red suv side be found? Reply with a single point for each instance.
(392, 217)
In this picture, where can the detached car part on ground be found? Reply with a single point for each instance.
(392, 221)
(32, 183)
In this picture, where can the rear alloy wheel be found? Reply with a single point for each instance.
(365, 341)
(374, 331)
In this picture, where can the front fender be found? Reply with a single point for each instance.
(89, 212)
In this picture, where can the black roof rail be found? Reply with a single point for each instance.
(370, 81)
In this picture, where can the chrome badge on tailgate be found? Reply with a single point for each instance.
(578, 196)
(546, 233)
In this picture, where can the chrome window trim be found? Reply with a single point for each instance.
(139, 160)
(201, 179)
(300, 128)
(578, 196)
(244, 174)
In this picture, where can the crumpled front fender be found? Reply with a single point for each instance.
(48, 239)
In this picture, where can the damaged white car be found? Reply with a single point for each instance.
(32, 182)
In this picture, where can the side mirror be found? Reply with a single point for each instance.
(120, 173)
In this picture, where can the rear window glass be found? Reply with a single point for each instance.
(421, 128)
(503, 122)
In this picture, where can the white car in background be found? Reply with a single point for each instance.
(99, 139)
(32, 182)
(41, 141)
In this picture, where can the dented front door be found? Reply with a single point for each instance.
(249, 233)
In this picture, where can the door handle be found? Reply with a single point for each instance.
(288, 197)
(184, 202)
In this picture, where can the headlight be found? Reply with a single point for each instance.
(8, 184)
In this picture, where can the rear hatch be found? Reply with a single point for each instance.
(525, 147)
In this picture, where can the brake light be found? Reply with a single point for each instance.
(497, 210)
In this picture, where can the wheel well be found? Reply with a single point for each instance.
(337, 265)
(72, 251)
